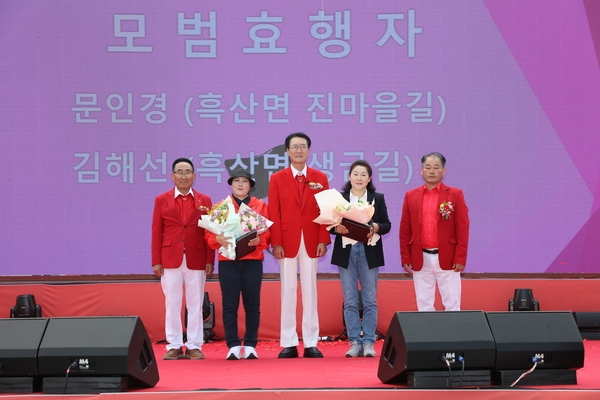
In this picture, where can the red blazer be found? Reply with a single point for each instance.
(170, 233)
(265, 238)
(291, 216)
(453, 233)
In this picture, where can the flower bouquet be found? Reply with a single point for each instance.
(334, 208)
(250, 226)
(251, 220)
(222, 218)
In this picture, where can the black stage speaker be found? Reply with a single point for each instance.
(423, 341)
(550, 338)
(19, 342)
(520, 336)
(97, 347)
(588, 324)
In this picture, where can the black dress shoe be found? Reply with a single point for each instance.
(312, 352)
(288, 352)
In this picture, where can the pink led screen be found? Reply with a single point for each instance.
(98, 98)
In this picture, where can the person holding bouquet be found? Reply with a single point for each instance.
(298, 242)
(359, 262)
(182, 259)
(243, 276)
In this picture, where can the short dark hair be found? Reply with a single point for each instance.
(361, 163)
(434, 154)
(185, 160)
(298, 135)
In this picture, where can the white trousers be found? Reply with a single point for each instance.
(173, 282)
(288, 272)
(425, 281)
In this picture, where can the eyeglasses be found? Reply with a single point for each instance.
(183, 173)
(301, 147)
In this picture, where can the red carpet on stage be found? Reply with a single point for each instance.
(334, 371)
(320, 379)
(269, 372)
(334, 376)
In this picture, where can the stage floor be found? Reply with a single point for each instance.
(334, 371)
(333, 376)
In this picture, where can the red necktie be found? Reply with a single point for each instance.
(300, 180)
(184, 206)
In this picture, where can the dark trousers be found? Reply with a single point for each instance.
(243, 277)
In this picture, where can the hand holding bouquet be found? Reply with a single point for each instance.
(334, 207)
(222, 218)
(251, 220)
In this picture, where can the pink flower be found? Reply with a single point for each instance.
(445, 209)
(251, 220)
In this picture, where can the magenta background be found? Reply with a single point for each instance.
(521, 83)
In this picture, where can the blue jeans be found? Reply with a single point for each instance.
(358, 271)
(243, 277)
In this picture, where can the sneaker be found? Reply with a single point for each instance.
(194, 354)
(234, 353)
(250, 353)
(174, 354)
(369, 350)
(356, 349)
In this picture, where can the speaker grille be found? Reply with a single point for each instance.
(19, 342)
(102, 346)
(421, 341)
(520, 336)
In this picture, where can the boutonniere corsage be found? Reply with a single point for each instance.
(315, 185)
(445, 209)
(204, 209)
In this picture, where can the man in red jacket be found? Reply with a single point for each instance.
(182, 258)
(298, 243)
(434, 236)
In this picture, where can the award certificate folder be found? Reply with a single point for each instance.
(241, 244)
(356, 230)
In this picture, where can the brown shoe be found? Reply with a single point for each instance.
(174, 354)
(194, 354)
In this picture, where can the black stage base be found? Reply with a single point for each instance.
(441, 379)
(20, 385)
(540, 377)
(86, 385)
